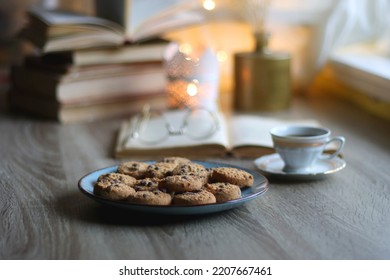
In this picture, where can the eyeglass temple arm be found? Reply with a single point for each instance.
(133, 133)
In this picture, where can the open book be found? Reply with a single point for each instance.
(147, 18)
(116, 22)
(53, 30)
(240, 136)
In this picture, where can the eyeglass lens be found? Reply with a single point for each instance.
(153, 127)
(199, 124)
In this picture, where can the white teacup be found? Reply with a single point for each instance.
(301, 146)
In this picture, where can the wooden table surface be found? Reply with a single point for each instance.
(43, 215)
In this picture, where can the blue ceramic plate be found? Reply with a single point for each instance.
(259, 187)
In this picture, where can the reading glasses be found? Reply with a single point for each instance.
(153, 127)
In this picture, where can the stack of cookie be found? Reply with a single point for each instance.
(172, 181)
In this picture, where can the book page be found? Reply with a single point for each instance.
(364, 68)
(151, 19)
(249, 130)
(175, 120)
(66, 18)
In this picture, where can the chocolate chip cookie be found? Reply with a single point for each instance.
(181, 183)
(155, 197)
(160, 170)
(193, 169)
(133, 168)
(224, 191)
(114, 186)
(194, 198)
(175, 160)
(231, 175)
(146, 184)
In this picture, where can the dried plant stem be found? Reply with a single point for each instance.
(254, 12)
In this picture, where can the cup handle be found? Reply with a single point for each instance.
(341, 141)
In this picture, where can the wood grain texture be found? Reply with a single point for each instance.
(44, 216)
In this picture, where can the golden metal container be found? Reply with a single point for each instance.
(262, 81)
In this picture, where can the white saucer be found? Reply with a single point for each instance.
(272, 165)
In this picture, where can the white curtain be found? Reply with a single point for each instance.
(337, 23)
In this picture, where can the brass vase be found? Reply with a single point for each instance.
(262, 78)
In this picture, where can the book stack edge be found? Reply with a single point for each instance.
(79, 83)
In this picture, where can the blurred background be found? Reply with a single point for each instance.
(312, 31)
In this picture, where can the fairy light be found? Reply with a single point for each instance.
(192, 88)
(222, 55)
(185, 48)
(192, 78)
(209, 5)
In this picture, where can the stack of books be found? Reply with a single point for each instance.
(360, 74)
(86, 70)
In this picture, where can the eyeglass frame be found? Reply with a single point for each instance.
(146, 112)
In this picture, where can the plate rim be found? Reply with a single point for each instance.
(257, 190)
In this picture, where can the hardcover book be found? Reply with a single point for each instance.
(56, 30)
(86, 111)
(90, 83)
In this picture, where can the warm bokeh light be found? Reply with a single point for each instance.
(192, 88)
(185, 48)
(222, 55)
(209, 5)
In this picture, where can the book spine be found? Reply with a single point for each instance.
(33, 106)
(34, 81)
(53, 110)
(67, 91)
(145, 53)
